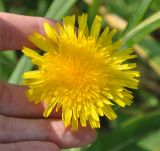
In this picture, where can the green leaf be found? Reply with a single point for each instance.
(150, 49)
(131, 132)
(7, 58)
(2, 8)
(121, 7)
(7, 64)
(93, 11)
(148, 143)
(57, 9)
(42, 7)
(150, 100)
(144, 28)
(23, 65)
(137, 15)
(5, 71)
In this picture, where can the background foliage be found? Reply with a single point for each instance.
(138, 127)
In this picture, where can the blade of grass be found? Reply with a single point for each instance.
(57, 10)
(7, 64)
(130, 132)
(151, 48)
(42, 7)
(93, 10)
(149, 143)
(7, 58)
(142, 30)
(8, 55)
(2, 8)
(24, 64)
(64, 8)
(8, 61)
(137, 15)
(120, 7)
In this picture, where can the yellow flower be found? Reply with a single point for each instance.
(81, 72)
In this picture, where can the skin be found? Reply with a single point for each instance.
(22, 126)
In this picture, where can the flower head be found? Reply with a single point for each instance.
(81, 72)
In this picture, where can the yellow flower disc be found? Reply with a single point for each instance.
(81, 72)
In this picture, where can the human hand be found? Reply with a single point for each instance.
(22, 126)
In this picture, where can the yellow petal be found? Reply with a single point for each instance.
(41, 42)
(95, 28)
(74, 123)
(110, 36)
(36, 58)
(32, 74)
(82, 22)
(93, 123)
(47, 112)
(125, 52)
(34, 95)
(106, 101)
(100, 111)
(120, 102)
(61, 30)
(69, 25)
(50, 32)
(31, 53)
(103, 38)
(94, 114)
(50, 106)
(68, 116)
(82, 120)
(108, 111)
(99, 103)
(127, 66)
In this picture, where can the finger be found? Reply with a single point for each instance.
(14, 130)
(29, 146)
(15, 29)
(13, 102)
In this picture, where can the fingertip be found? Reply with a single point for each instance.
(8, 28)
(85, 135)
(68, 138)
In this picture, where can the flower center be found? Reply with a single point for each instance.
(76, 66)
